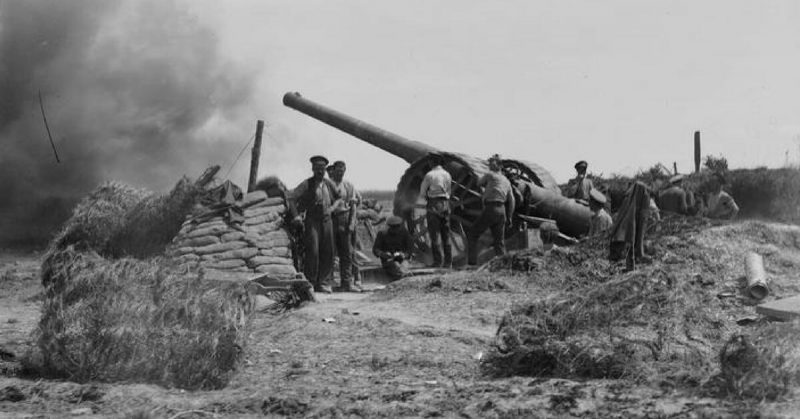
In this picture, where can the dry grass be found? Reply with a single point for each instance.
(132, 320)
(764, 365)
(112, 319)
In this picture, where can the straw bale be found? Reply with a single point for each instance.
(253, 198)
(275, 211)
(219, 248)
(243, 253)
(152, 224)
(224, 264)
(199, 241)
(269, 202)
(99, 216)
(232, 236)
(141, 321)
(276, 251)
(277, 270)
(269, 260)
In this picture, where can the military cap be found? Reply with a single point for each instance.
(676, 178)
(597, 196)
(394, 221)
(315, 159)
(581, 163)
(339, 163)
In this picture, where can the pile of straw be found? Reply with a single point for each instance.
(123, 319)
(764, 365)
(641, 324)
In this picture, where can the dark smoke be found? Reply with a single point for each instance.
(133, 91)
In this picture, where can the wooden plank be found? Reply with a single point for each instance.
(784, 309)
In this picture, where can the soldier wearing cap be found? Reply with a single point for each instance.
(674, 198)
(580, 186)
(393, 246)
(316, 197)
(344, 225)
(600, 222)
(498, 208)
(435, 193)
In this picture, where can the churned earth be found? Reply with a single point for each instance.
(413, 348)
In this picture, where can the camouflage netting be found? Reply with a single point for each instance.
(109, 317)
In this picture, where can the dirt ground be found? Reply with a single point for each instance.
(412, 348)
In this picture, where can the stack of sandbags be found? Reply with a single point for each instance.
(259, 245)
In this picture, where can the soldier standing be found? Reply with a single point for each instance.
(580, 186)
(344, 223)
(316, 197)
(498, 208)
(435, 190)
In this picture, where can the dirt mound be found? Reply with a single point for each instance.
(668, 320)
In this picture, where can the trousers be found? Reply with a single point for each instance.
(318, 240)
(438, 218)
(494, 218)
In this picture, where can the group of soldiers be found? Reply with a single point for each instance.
(674, 198)
(330, 205)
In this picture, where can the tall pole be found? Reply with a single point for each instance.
(696, 151)
(256, 155)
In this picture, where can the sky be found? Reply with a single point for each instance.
(146, 91)
(622, 84)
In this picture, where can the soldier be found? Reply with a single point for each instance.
(718, 203)
(580, 186)
(316, 197)
(600, 222)
(435, 191)
(344, 224)
(393, 247)
(498, 208)
(674, 198)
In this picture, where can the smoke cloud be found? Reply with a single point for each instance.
(136, 91)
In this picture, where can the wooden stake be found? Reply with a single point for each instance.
(674, 168)
(696, 151)
(256, 155)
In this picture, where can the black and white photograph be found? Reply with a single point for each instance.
(386, 209)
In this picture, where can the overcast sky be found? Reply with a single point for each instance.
(622, 84)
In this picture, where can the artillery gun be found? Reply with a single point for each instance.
(536, 192)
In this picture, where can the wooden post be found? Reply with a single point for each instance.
(696, 151)
(674, 168)
(256, 155)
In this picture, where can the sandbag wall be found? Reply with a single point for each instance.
(258, 245)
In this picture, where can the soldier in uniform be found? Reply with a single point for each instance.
(580, 186)
(344, 224)
(674, 199)
(600, 222)
(435, 191)
(316, 197)
(498, 208)
(393, 247)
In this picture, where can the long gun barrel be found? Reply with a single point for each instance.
(408, 150)
(538, 192)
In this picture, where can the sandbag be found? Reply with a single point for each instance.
(219, 248)
(243, 253)
(276, 251)
(225, 264)
(261, 219)
(269, 202)
(275, 211)
(263, 228)
(253, 198)
(232, 236)
(215, 229)
(269, 260)
(278, 270)
(198, 241)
